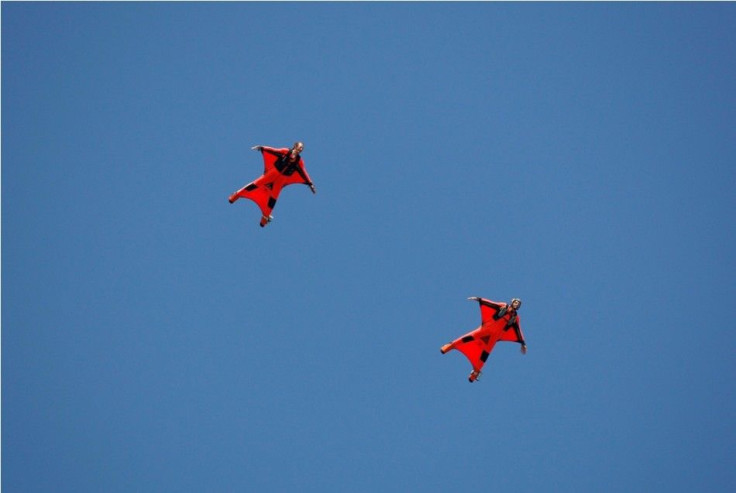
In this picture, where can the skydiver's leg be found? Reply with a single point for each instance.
(241, 193)
(233, 197)
(451, 345)
(267, 218)
(475, 374)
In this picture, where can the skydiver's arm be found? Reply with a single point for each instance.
(271, 150)
(303, 173)
(496, 310)
(490, 303)
(519, 336)
(483, 301)
(486, 302)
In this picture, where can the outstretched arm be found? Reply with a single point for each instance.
(489, 310)
(486, 302)
(519, 336)
(305, 176)
(270, 150)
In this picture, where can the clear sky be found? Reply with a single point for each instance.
(580, 156)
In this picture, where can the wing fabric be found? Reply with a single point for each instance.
(262, 192)
(270, 156)
(512, 333)
(488, 312)
(476, 346)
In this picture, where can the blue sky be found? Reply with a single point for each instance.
(580, 156)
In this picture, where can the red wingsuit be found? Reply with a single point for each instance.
(278, 172)
(500, 322)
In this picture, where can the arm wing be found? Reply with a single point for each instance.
(489, 310)
(298, 175)
(270, 156)
(302, 171)
(513, 333)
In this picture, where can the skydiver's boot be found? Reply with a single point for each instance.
(473, 376)
(446, 348)
(265, 220)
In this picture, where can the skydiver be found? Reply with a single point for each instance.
(281, 164)
(485, 337)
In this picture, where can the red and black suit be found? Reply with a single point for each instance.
(279, 171)
(499, 322)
